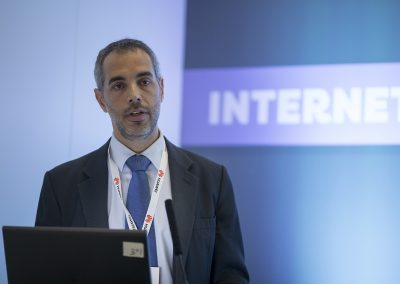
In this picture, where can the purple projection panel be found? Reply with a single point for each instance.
(357, 104)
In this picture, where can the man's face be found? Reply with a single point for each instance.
(131, 94)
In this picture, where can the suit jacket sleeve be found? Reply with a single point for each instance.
(48, 212)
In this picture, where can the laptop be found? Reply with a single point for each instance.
(75, 255)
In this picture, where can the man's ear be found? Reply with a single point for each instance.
(100, 99)
(161, 84)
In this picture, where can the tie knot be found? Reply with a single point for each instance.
(138, 163)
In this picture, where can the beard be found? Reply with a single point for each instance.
(134, 131)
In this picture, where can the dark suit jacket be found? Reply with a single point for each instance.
(74, 194)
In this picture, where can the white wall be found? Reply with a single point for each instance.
(48, 111)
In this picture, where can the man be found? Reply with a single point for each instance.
(85, 193)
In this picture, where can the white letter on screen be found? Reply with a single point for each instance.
(375, 106)
(236, 107)
(289, 106)
(263, 98)
(214, 106)
(316, 104)
(345, 105)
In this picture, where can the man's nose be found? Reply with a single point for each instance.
(134, 94)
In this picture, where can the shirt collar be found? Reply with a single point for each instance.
(120, 153)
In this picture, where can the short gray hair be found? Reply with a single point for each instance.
(122, 45)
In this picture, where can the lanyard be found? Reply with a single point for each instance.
(155, 193)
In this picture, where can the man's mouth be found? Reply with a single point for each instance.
(137, 115)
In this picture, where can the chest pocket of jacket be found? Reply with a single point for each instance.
(204, 230)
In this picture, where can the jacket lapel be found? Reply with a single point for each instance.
(184, 187)
(93, 189)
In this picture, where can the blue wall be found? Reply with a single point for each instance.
(48, 110)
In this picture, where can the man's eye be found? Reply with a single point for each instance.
(118, 86)
(145, 82)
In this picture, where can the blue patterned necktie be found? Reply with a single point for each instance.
(138, 200)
